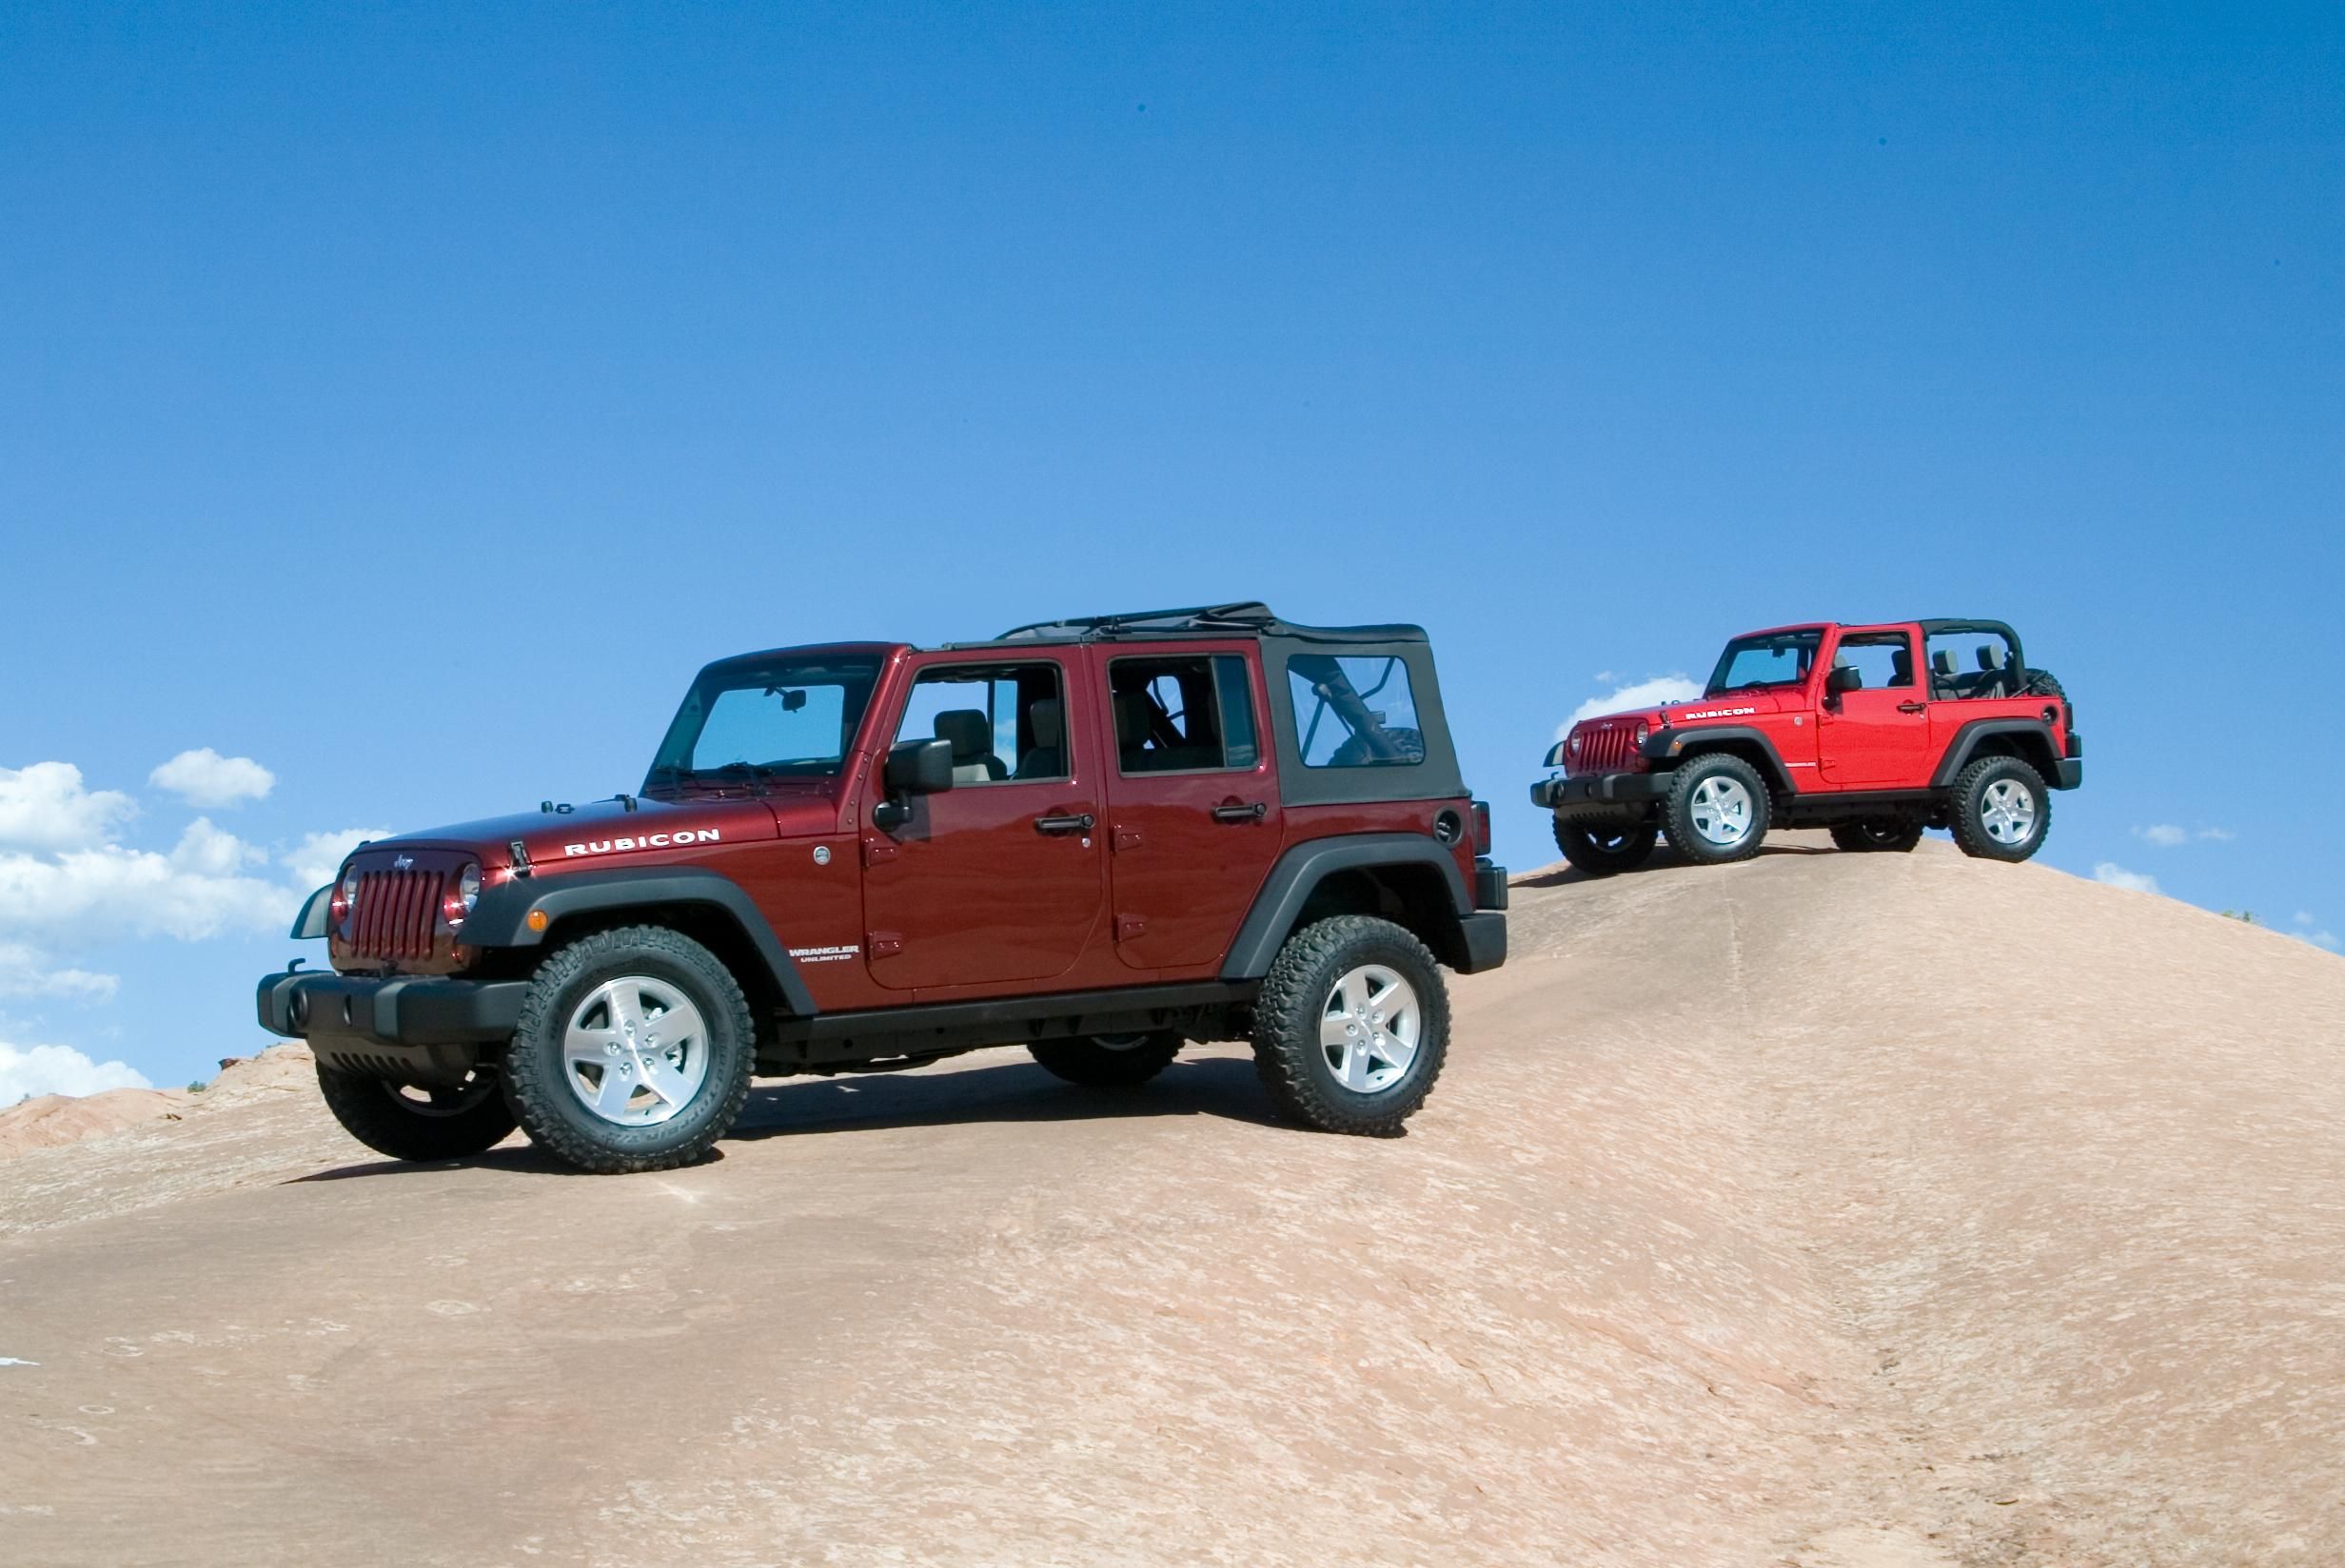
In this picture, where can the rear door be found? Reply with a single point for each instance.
(1877, 736)
(1192, 799)
(1001, 876)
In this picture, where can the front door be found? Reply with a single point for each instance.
(1192, 807)
(997, 878)
(1877, 737)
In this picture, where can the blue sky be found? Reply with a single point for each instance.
(409, 398)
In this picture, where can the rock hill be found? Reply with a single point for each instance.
(1896, 1210)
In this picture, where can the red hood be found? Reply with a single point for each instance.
(594, 829)
(1726, 708)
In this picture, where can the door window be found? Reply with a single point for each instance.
(1191, 714)
(1354, 711)
(1007, 722)
(1883, 659)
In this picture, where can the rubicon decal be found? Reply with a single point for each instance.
(1714, 712)
(824, 955)
(647, 841)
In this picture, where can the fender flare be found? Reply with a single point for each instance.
(1966, 739)
(1669, 745)
(501, 919)
(1300, 870)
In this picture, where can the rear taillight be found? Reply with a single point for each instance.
(1482, 827)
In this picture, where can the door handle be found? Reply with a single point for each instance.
(1250, 812)
(1069, 822)
(1910, 708)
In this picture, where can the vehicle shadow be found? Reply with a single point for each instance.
(1011, 1090)
(1665, 859)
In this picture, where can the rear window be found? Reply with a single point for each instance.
(1354, 711)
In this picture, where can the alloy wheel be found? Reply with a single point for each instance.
(2008, 811)
(1370, 1028)
(1722, 811)
(635, 1051)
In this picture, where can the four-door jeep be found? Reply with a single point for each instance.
(1097, 838)
(1874, 731)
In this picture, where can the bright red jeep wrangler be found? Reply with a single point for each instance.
(1097, 838)
(1874, 731)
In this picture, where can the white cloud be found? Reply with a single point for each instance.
(59, 1070)
(316, 859)
(206, 778)
(2304, 918)
(1645, 694)
(25, 972)
(2164, 834)
(2115, 875)
(2318, 938)
(2220, 835)
(199, 890)
(45, 807)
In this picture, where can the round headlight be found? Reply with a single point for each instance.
(1575, 743)
(1640, 732)
(468, 888)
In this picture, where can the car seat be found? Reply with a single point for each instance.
(972, 734)
(1047, 757)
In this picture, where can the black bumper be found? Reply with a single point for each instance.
(1486, 941)
(421, 1029)
(1599, 791)
(2071, 773)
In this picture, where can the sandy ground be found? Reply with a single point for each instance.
(1830, 1210)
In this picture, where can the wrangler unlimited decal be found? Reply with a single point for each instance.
(648, 841)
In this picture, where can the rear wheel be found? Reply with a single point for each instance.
(1108, 1061)
(1601, 848)
(1895, 834)
(407, 1122)
(1716, 810)
(634, 1052)
(1351, 1025)
(2001, 809)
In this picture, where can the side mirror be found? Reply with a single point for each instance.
(919, 767)
(1844, 679)
(913, 767)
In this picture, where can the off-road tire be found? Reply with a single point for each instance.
(1677, 808)
(1969, 801)
(1882, 835)
(1294, 1002)
(535, 1077)
(1605, 849)
(455, 1125)
(1098, 1063)
(2042, 683)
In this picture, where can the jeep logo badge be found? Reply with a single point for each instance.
(405, 862)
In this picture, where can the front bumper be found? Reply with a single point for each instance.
(1599, 791)
(417, 1028)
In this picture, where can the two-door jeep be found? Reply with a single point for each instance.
(1098, 838)
(1874, 731)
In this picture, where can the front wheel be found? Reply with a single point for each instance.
(407, 1121)
(2000, 810)
(634, 1052)
(1107, 1061)
(1603, 849)
(1716, 810)
(1351, 1025)
(1893, 834)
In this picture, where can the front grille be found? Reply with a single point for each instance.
(1606, 749)
(396, 913)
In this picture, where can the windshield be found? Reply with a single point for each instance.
(784, 718)
(1777, 658)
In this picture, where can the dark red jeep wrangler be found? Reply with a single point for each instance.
(1874, 731)
(1097, 838)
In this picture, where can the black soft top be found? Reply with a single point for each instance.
(1247, 617)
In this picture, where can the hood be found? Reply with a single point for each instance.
(597, 829)
(1725, 707)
